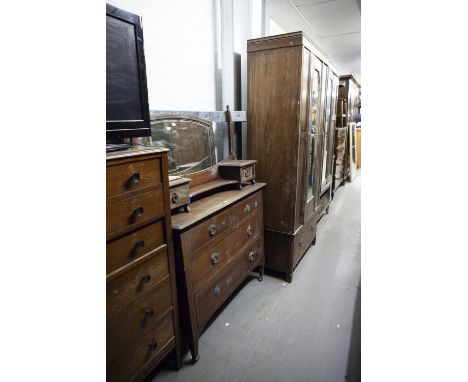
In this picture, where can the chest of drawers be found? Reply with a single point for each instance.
(142, 320)
(217, 244)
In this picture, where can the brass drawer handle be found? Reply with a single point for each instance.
(134, 179)
(214, 258)
(247, 208)
(138, 245)
(137, 212)
(249, 231)
(153, 345)
(217, 290)
(251, 256)
(175, 198)
(212, 230)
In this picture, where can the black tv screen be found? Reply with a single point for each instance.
(127, 110)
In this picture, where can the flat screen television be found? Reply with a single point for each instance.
(127, 109)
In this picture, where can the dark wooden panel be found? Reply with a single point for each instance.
(137, 317)
(134, 246)
(274, 92)
(246, 208)
(209, 264)
(217, 292)
(133, 212)
(135, 282)
(209, 230)
(133, 176)
(146, 349)
(253, 255)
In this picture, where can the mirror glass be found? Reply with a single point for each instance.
(313, 110)
(190, 143)
(326, 133)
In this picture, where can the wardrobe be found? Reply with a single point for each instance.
(292, 93)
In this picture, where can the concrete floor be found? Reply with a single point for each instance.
(308, 330)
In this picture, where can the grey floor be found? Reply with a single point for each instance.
(308, 330)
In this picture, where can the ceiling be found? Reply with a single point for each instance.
(333, 25)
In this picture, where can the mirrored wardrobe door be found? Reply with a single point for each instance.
(315, 86)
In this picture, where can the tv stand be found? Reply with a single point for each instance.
(117, 146)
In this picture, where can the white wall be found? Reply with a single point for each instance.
(179, 39)
(275, 28)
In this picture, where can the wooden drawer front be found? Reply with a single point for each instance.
(214, 295)
(246, 207)
(133, 246)
(303, 240)
(209, 230)
(133, 212)
(132, 177)
(129, 324)
(208, 265)
(180, 195)
(149, 348)
(133, 283)
(253, 255)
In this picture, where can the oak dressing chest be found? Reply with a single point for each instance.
(142, 310)
(218, 242)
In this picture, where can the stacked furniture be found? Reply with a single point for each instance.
(292, 94)
(345, 165)
(142, 309)
(341, 170)
(218, 241)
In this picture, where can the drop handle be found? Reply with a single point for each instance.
(175, 198)
(249, 230)
(138, 246)
(251, 256)
(217, 290)
(137, 212)
(247, 208)
(144, 280)
(212, 230)
(153, 345)
(134, 179)
(214, 258)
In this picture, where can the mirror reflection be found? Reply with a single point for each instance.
(190, 144)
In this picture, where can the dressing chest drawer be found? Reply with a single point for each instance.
(218, 243)
(141, 303)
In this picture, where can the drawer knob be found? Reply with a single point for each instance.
(217, 290)
(149, 312)
(251, 256)
(153, 345)
(138, 245)
(214, 258)
(212, 230)
(134, 179)
(175, 198)
(249, 230)
(137, 212)
(247, 208)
